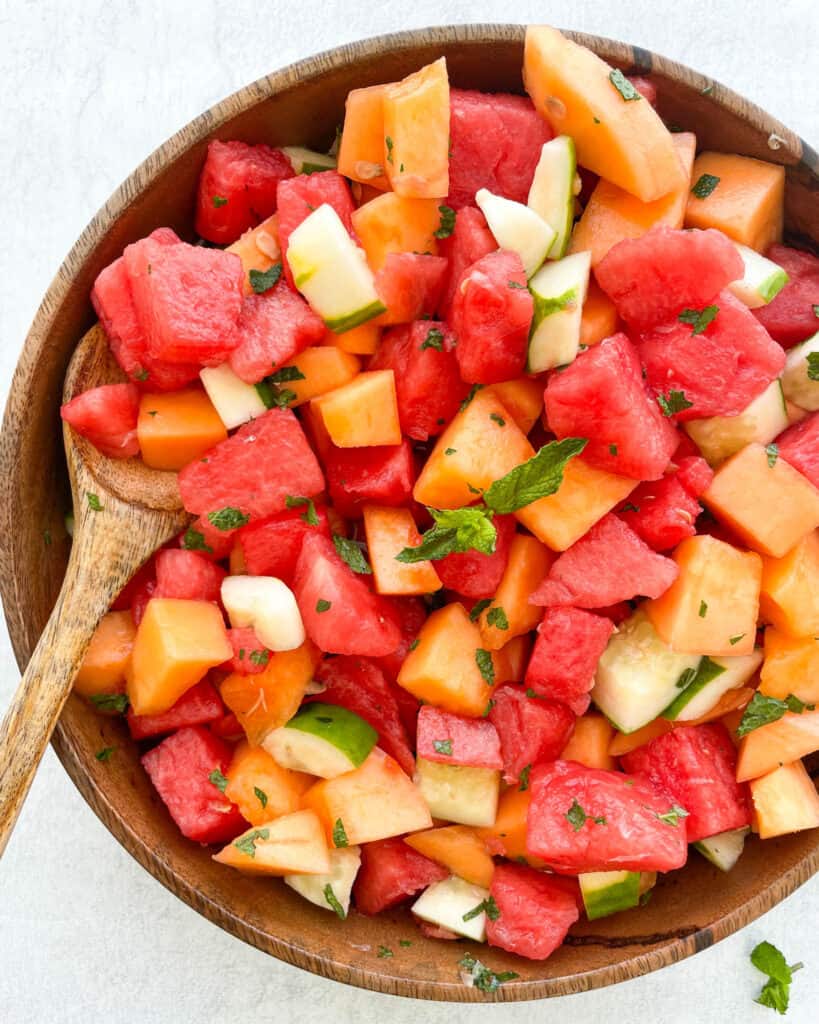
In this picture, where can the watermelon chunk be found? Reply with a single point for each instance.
(410, 613)
(187, 575)
(204, 537)
(428, 385)
(569, 644)
(602, 397)
(146, 573)
(697, 766)
(531, 729)
(237, 188)
(650, 279)
(197, 706)
(494, 142)
(789, 317)
(340, 612)
(454, 739)
(245, 645)
(491, 315)
(254, 470)
(141, 596)
(535, 911)
(271, 546)
(390, 873)
(107, 417)
(799, 445)
(383, 475)
(298, 197)
(410, 285)
(470, 240)
(627, 835)
(609, 564)
(720, 371)
(179, 768)
(662, 513)
(474, 574)
(694, 473)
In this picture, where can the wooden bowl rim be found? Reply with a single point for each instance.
(141, 180)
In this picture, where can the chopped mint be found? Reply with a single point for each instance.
(501, 422)
(487, 669)
(218, 779)
(219, 201)
(414, 644)
(262, 281)
(260, 657)
(323, 606)
(813, 365)
(623, 85)
(472, 392)
(261, 796)
(450, 451)
(93, 502)
(523, 778)
(479, 607)
(612, 449)
(705, 185)
(703, 609)
(434, 339)
(194, 540)
(339, 835)
(309, 516)
(763, 710)
(105, 754)
(772, 451)
(515, 284)
(389, 144)
(352, 555)
(247, 843)
(675, 402)
(577, 817)
(732, 640)
(673, 816)
(332, 901)
(228, 518)
(442, 747)
(699, 319)
(447, 225)
(487, 906)
(110, 702)
(481, 977)
(497, 617)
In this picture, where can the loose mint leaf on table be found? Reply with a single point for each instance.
(775, 992)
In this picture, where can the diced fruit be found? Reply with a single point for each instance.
(298, 197)
(249, 654)
(589, 743)
(523, 399)
(609, 892)
(477, 575)
(791, 665)
(510, 661)
(569, 645)
(467, 796)
(458, 848)
(324, 368)
(363, 412)
(662, 513)
(392, 223)
(789, 598)
(410, 284)
(456, 740)
(322, 739)
(187, 575)
(391, 872)
(528, 563)
(268, 606)
(714, 678)
(535, 911)
(551, 194)
(383, 475)
(107, 656)
(175, 429)
(789, 316)
(780, 742)
(294, 842)
(361, 150)
(271, 547)
(330, 891)
(785, 801)
(720, 437)
(362, 340)
(798, 381)
(799, 447)
(260, 788)
(197, 706)
(258, 249)
(531, 730)
(725, 849)
(416, 133)
(308, 161)
(388, 532)
(624, 743)
(517, 228)
(763, 279)
(559, 292)
(470, 240)
(449, 902)
(235, 401)
(599, 319)
(107, 417)
(272, 329)
(507, 836)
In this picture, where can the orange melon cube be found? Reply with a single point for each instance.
(523, 400)
(325, 368)
(781, 742)
(258, 248)
(789, 598)
(507, 837)
(747, 203)
(459, 848)
(392, 223)
(713, 605)
(292, 843)
(589, 743)
(511, 660)
(770, 507)
(388, 532)
(177, 427)
(529, 561)
(416, 133)
(106, 658)
(253, 772)
(176, 643)
(791, 665)
(625, 742)
(359, 341)
(785, 801)
(363, 412)
(376, 801)
(361, 150)
(599, 317)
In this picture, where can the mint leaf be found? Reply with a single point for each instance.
(228, 518)
(262, 281)
(673, 816)
(772, 451)
(385, 951)
(675, 402)
(247, 844)
(576, 816)
(442, 747)
(703, 609)
(699, 319)
(309, 516)
(261, 796)
(487, 906)
(352, 555)
(523, 778)
(478, 607)
(339, 835)
(775, 992)
(472, 392)
(218, 779)
(104, 754)
(110, 702)
(623, 85)
(219, 201)
(332, 901)
(763, 710)
(447, 225)
(813, 365)
(434, 339)
(487, 669)
(323, 606)
(455, 531)
(705, 185)
(389, 144)
(193, 540)
(497, 617)
(534, 479)
(93, 502)
(481, 977)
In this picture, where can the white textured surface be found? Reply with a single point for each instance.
(90, 88)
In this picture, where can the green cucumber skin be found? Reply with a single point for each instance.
(341, 324)
(343, 724)
(773, 286)
(707, 672)
(611, 900)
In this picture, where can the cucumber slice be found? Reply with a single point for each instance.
(559, 291)
(268, 605)
(322, 739)
(517, 227)
(609, 892)
(719, 437)
(234, 401)
(468, 796)
(307, 161)
(725, 849)
(330, 891)
(715, 676)
(445, 904)
(761, 281)
(552, 192)
(331, 271)
(638, 675)
(799, 388)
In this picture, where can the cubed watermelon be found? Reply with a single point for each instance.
(298, 197)
(646, 88)
(693, 472)
(180, 768)
(650, 279)
(535, 911)
(254, 470)
(491, 315)
(237, 188)
(250, 656)
(696, 765)
(209, 540)
(602, 397)
(531, 729)
(455, 739)
(107, 417)
(390, 873)
(569, 644)
(799, 445)
(187, 575)
(410, 285)
(271, 546)
(410, 613)
(383, 475)
(473, 574)
(470, 240)
(141, 596)
(199, 705)
(146, 573)
(789, 317)
(661, 512)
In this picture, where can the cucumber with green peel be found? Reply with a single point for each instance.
(448, 902)
(331, 271)
(725, 849)
(559, 291)
(330, 891)
(715, 677)
(552, 192)
(720, 437)
(638, 675)
(761, 281)
(608, 892)
(517, 227)
(799, 386)
(465, 795)
(235, 401)
(307, 161)
(322, 739)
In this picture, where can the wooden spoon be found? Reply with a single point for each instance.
(140, 510)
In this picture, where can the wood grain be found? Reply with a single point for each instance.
(303, 104)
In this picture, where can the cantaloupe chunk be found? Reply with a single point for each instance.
(258, 249)
(363, 412)
(785, 801)
(625, 742)
(613, 214)
(480, 452)
(780, 742)
(416, 133)
(747, 203)
(177, 427)
(599, 317)
(713, 605)
(789, 598)
(771, 507)
(361, 151)
(392, 223)
(523, 400)
(590, 741)
(107, 657)
(459, 848)
(623, 141)
(507, 837)
(443, 668)
(325, 368)
(791, 665)
(264, 701)
(292, 843)
(359, 341)
(585, 496)
(176, 643)
(511, 660)
(388, 532)
(376, 801)
(253, 772)
(529, 561)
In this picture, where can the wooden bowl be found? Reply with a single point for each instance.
(691, 909)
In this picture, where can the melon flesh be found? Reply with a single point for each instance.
(781, 742)
(785, 801)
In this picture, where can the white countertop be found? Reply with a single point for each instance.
(90, 88)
